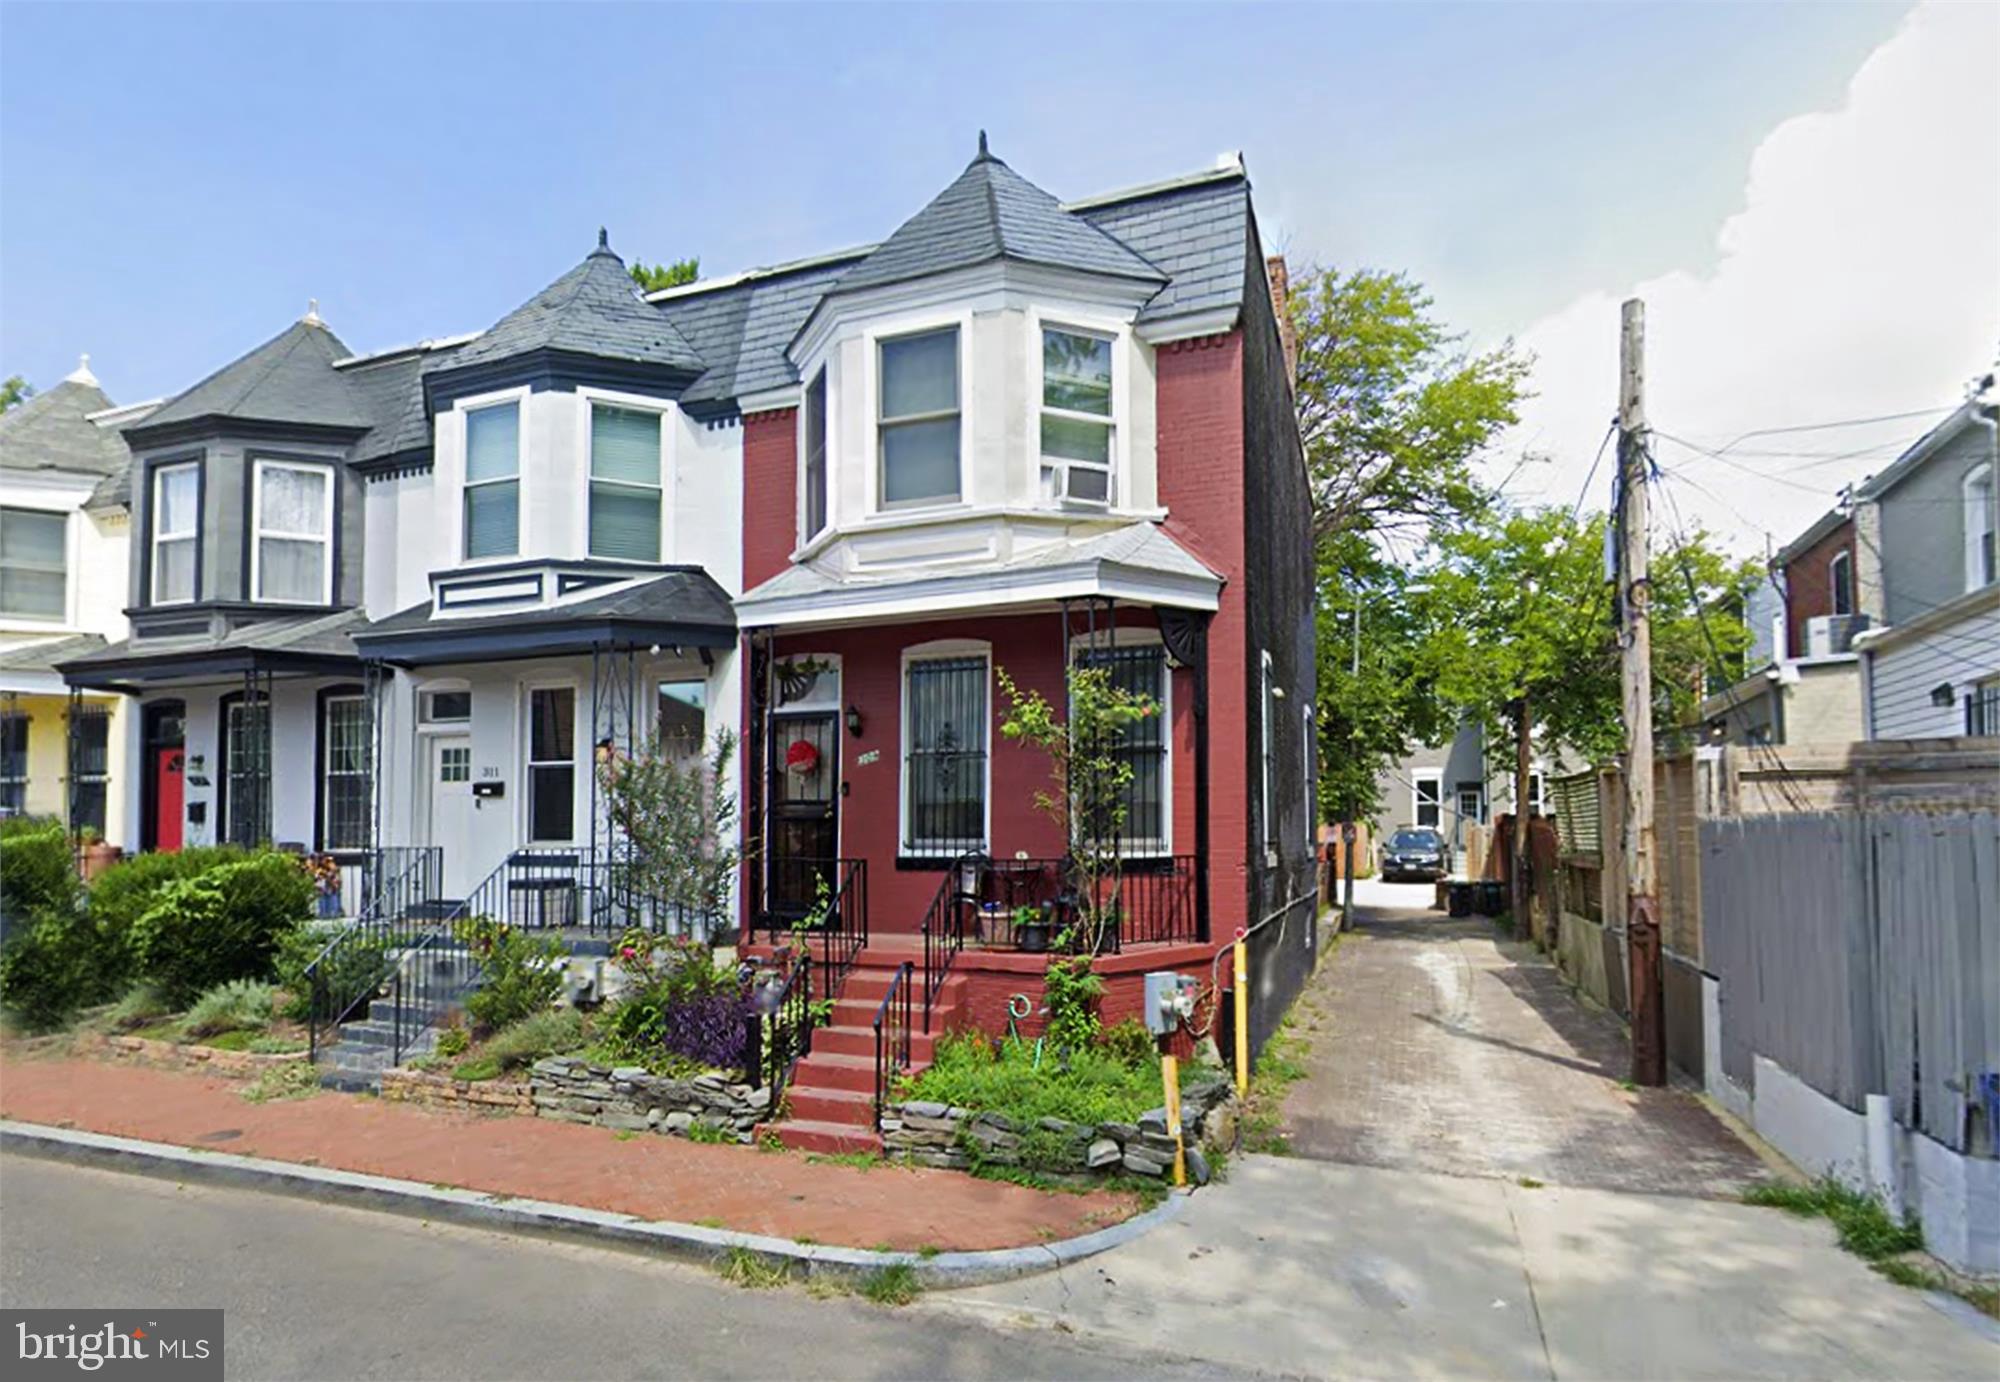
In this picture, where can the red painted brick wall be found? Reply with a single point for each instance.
(988, 992)
(1200, 408)
(1809, 584)
(770, 493)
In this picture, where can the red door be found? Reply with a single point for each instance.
(168, 764)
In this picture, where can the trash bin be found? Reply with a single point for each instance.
(1492, 898)
(1461, 899)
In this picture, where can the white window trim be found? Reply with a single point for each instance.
(1833, 566)
(464, 408)
(871, 391)
(1435, 777)
(580, 758)
(1118, 333)
(71, 555)
(588, 399)
(424, 690)
(939, 650)
(154, 537)
(258, 532)
(1978, 520)
(327, 776)
(1123, 637)
(804, 540)
(1478, 794)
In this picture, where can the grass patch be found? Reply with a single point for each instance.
(1863, 1222)
(1528, 1183)
(625, 1134)
(741, 1267)
(860, 1161)
(291, 1080)
(711, 1133)
(1148, 1189)
(479, 1068)
(1094, 1087)
(891, 1285)
(550, 1033)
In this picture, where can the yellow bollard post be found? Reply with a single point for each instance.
(1242, 1019)
(1170, 1076)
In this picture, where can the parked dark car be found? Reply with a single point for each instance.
(1415, 852)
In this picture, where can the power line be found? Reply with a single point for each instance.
(1843, 422)
(1609, 432)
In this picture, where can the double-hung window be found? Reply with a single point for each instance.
(34, 564)
(944, 755)
(1426, 799)
(1840, 582)
(1076, 417)
(625, 488)
(344, 782)
(1141, 670)
(292, 543)
(918, 423)
(552, 763)
(176, 525)
(1979, 553)
(813, 516)
(493, 481)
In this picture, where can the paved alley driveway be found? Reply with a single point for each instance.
(1437, 1046)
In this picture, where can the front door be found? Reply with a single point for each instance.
(169, 800)
(451, 809)
(163, 819)
(805, 810)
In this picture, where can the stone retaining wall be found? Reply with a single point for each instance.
(442, 1091)
(631, 1098)
(932, 1134)
(172, 1055)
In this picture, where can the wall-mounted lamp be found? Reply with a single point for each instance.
(853, 721)
(1941, 696)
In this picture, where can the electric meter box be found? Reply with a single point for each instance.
(1169, 1000)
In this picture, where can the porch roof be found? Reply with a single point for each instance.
(1139, 563)
(304, 645)
(32, 670)
(683, 608)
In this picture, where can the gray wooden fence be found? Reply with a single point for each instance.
(1862, 953)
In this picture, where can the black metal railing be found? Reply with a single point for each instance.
(779, 1032)
(795, 901)
(1037, 905)
(581, 888)
(845, 933)
(945, 925)
(892, 1036)
(430, 979)
(400, 884)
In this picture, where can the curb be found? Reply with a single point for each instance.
(543, 1218)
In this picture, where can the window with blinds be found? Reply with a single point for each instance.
(917, 426)
(176, 525)
(493, 481)
(625, 486)
(944, 756)
(293, 554)
(34, 567)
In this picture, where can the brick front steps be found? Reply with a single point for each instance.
(831, 1102)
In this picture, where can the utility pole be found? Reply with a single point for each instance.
(1642, 910)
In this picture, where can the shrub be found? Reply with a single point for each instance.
(1071, 992)
(241, 1005)
(452, 1043)
(970, 1072)
(37, 868)
(1129, 1043)
(142, 1005)
(680, 1003)
(518, 976)
(478, 1068)
(50, 967)
(547, 1033)
(128, 889)
(229, 922)
(359, 966)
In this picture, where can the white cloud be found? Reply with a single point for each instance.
(1861, 277)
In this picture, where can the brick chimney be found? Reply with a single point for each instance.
(1281, 298)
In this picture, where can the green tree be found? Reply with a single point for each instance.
(15, 391)
(653, 277)
(677, 820)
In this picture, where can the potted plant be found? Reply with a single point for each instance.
(1031, 929)
(325, 874)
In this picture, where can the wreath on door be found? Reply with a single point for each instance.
(802, 757)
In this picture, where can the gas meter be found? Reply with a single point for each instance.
(1169, 1000)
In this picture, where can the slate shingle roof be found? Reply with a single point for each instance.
(742, 330)
(594, 309)
(992, 212)
(53, 431)
(686, 598)
(43, 656)
(313, 635)
(289, 378)
(1198, 234)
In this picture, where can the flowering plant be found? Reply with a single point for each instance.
(324, 871)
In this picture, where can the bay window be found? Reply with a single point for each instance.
(944, 755)
(625, 484)
(552, 763)
(814, 515)
(176, 529)
(291, 553)
(1076, 417)
(493, 481)
(34, 564)
(917, 425)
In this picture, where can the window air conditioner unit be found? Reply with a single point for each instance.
(1829, 634)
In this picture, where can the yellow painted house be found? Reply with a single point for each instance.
(65, 491)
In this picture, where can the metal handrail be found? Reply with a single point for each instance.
(893, 1045)
(790, 1017)
(944, 930)
(431, 976)
(389, 922)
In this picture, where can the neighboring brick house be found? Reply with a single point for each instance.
(401, 606)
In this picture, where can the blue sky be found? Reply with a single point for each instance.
(176, 181)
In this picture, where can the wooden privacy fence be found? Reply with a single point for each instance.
(1861, 952)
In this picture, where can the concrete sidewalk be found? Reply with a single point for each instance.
(1314, 1269)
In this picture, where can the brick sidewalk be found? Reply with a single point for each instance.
(652, 1177)
(1443, 1048)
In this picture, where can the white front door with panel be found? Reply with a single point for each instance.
(451, 808)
